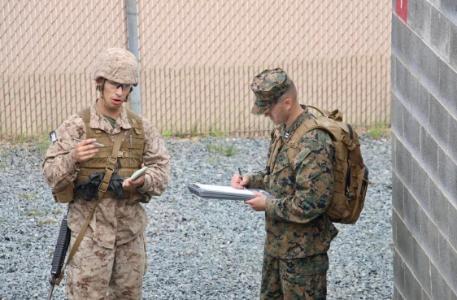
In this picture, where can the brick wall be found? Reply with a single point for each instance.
(424, 127)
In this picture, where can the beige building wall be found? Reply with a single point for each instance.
(197, 59)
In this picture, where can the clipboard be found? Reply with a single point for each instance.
(222, 192)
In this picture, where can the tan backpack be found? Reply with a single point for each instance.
(351, 175)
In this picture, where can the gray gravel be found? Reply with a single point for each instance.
(197, 249)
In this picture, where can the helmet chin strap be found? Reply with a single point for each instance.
(127, 98)
(100, 88)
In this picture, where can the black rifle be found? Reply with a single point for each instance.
(59, 255)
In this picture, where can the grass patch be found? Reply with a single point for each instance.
(213, 160)
(3, 157)
(47, 221)
(35, 213)
(27, 196)
(214, 132)
(182, 135)
(379, 130)
(40, 141)
(194, 132)
(167, 133)
(220, 149)
(43, 143)
(178, 134)
(21, 139)
(57, 211)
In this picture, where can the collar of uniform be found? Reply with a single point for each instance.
(287, 133)
(99, 121)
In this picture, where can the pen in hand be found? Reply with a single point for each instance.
(95, 143)
(241, 177)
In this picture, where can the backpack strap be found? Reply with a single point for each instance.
(274, 150)
(294, 141)
(334, 114)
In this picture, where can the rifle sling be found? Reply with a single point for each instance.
(109, 170)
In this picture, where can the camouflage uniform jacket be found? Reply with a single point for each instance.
(115, 221)
(301, 191)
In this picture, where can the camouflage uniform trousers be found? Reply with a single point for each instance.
(293, 279)
(99, 273)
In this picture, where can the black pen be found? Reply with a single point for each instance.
(241, 176)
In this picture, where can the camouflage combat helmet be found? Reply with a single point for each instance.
(268, 87)
(117, 64)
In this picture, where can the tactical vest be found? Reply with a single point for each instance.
(350, 173)
(130, 155)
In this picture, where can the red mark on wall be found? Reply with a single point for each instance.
(402, 9)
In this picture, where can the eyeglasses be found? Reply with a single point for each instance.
(124, 86)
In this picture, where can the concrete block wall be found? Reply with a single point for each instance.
(424, 160)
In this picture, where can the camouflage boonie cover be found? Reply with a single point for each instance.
(296, 223)
(268, 86)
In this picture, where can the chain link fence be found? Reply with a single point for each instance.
(47, 49)
(197, 59)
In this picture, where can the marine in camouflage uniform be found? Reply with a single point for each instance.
(111, 259)
(298, 230)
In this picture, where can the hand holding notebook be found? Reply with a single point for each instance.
(138, 173)
(222, 192)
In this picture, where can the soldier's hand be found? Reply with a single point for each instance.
(130, 185)
(84, 150)
(239, 182)
(259, 203)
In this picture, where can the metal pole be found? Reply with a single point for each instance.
(133, 45)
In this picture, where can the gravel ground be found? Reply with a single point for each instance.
(197, 249)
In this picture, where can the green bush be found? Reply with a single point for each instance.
(229, 150)
(379, 130)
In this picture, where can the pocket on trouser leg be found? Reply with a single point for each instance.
(89, 271)
(304, 278)
(309, 287)
(271, 283)
(128, 271)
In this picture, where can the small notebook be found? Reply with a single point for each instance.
(222, 192)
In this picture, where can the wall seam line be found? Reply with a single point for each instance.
(411, 271)
(424, 84)
(400, 177)
(407, 25)
(445, 149)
